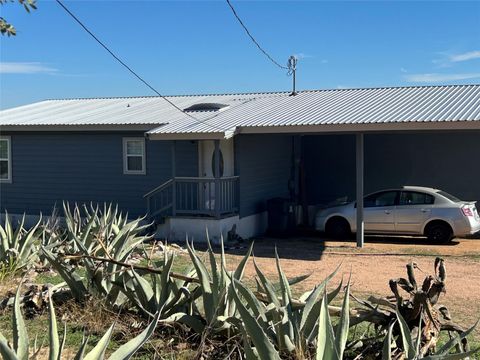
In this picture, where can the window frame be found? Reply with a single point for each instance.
(8, 159)
(126, 171)
(416, 192)
(395, 202)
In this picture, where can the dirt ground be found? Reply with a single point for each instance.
(379, 261)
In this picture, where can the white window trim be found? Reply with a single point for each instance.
(9, 159)
(125, 164)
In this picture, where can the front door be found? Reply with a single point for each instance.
(379, 212)
(207, 168)
(207, 158)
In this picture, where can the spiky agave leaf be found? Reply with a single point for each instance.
(98, 352)
(20, 334)
(309, 317)
(326, 348)
(263, 346)
(407, 341)
(341, 333)
(54, 343)
(68, 274)
(205, 283)
(387, 343)
(127, 350)
(17, 248)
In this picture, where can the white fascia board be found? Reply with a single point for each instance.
(186, 136)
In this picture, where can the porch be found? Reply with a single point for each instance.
(204, 197)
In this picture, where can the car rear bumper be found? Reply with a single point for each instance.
(471, 229)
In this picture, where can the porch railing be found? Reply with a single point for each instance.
(195, 196)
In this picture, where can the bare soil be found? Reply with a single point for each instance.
(379, 261)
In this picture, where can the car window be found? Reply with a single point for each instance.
(449, 197)
(415, 198)
(386, 198)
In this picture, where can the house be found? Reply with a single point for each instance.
(218, 163)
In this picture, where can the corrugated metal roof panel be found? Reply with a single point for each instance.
(346, 106)
(317, 107)
(115, 111)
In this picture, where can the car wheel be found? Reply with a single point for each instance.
(439, 233)
(337, 228)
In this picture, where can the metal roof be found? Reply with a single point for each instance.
(373, 106)
(421, 107)
(115, 111)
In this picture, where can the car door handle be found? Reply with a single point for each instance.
(424, 210)
(387, 211)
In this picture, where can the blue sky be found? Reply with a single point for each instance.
(185, 47)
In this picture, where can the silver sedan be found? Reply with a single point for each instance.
(410, 210)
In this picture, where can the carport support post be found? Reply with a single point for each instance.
(359, 165)
(174, 173)
(217, 178)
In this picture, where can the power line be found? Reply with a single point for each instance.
(131, 70)
(253, 39)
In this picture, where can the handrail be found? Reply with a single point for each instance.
(199, 196)
(158, 188)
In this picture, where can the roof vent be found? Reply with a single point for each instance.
(207, 107)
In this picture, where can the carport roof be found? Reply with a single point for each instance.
(342, 110)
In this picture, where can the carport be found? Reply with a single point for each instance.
(358, 113)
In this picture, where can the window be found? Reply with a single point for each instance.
(449, 197)
(5, 159)
(387, 198)
(134, 156)
(415, 198)
(222, 164)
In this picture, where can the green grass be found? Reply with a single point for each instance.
(49, 278)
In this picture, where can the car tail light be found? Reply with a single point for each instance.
(467, 211)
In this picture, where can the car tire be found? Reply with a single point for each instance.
(439, 232)
(337, 228)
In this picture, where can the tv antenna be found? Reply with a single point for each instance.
(292, 69)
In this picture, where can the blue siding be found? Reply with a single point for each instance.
(186, 158)
(264, 164)
(49, 168)
(448, 161)
(329, 167)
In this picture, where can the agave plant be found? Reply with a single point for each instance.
(20, 349)
(274, 323)
(18, 248)
(216, 301)
(97, 234)
(416, 313)
(154, 292)
(411, 349)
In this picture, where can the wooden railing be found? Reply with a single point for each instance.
(195, 196)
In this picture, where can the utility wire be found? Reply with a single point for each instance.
(253, 39)
(131, 70)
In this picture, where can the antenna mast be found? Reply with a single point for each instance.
(292, 69)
